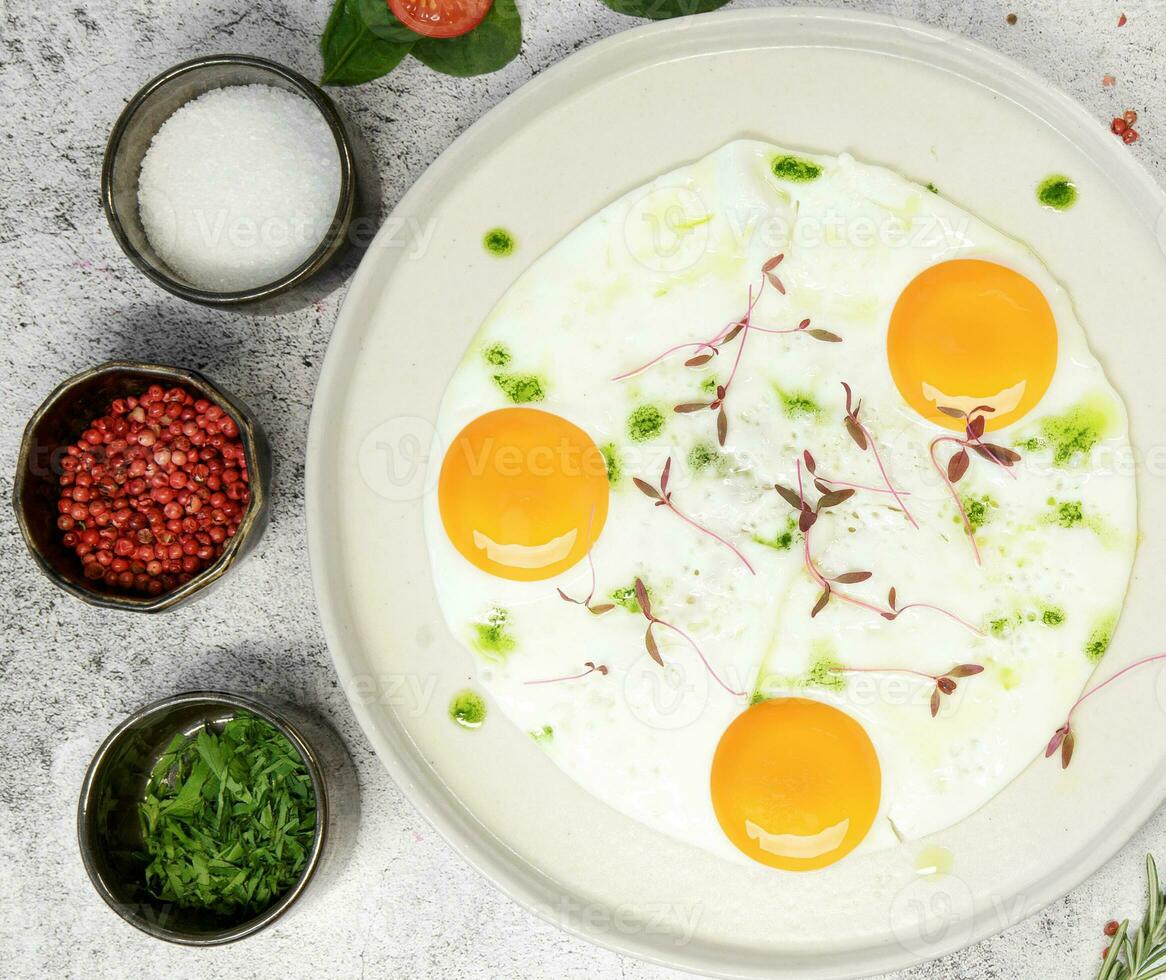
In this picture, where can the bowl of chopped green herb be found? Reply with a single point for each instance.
(205, 816)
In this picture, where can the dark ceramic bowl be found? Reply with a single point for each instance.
(143, 117)
(109, 833)
(65, 414)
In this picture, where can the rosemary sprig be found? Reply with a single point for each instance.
(1143, 955)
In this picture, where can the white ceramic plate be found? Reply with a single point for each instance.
(933, 106)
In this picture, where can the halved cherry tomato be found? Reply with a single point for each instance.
(441, 18)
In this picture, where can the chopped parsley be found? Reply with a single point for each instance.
(1098, 642)
(626, 597)
(704, 456)
(1033, 445)
(1077, 431)
(499, 242)
(520, 388)
(497, 355)
(978, 510)
(796, 169)
(823, 674)
(492, 634)
(613, 463)
(783, 540)
(797, 405)
(1057, 192)
(467, 709)
(1049, 615)
(999, 627)
(1068, 514)
(228, 819)
(645, 422)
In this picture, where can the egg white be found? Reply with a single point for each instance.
(672, 262)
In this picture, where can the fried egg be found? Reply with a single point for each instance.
(607, 541)
(523, 493)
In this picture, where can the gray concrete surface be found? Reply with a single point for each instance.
(407, 906)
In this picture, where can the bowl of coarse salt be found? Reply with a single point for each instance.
(230, 180)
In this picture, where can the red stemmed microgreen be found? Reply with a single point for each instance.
(1064, 738)
(807, 518)
(663, 498)
(592, 668)
(769, 270)
(601, 608)
(650, 638)
(945, 683)
(825, 483)
(706, 350)
(865, 440)
(741, 328)
(957, 464)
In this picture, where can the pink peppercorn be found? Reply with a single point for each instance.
(141, 501)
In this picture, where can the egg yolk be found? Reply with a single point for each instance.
(967, 333)
(523, 493)
(795, 783)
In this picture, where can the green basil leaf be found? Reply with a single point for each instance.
(663, 9)
(362, 41)
(491, 45)
(383, 22)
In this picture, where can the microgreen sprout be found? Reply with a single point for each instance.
(654, 649)
(1065, 737)
(865, 440)
(592, 668)
(603, 607)
(807, 518)
(945, 683)
(663, 498)
(831, 484)
(957, 464)
(706, 350)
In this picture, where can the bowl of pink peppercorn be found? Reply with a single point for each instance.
(138, 486)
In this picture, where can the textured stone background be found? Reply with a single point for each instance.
(69, 299)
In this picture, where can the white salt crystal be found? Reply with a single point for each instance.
(239, 186)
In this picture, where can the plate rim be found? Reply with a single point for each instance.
(471, 840)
